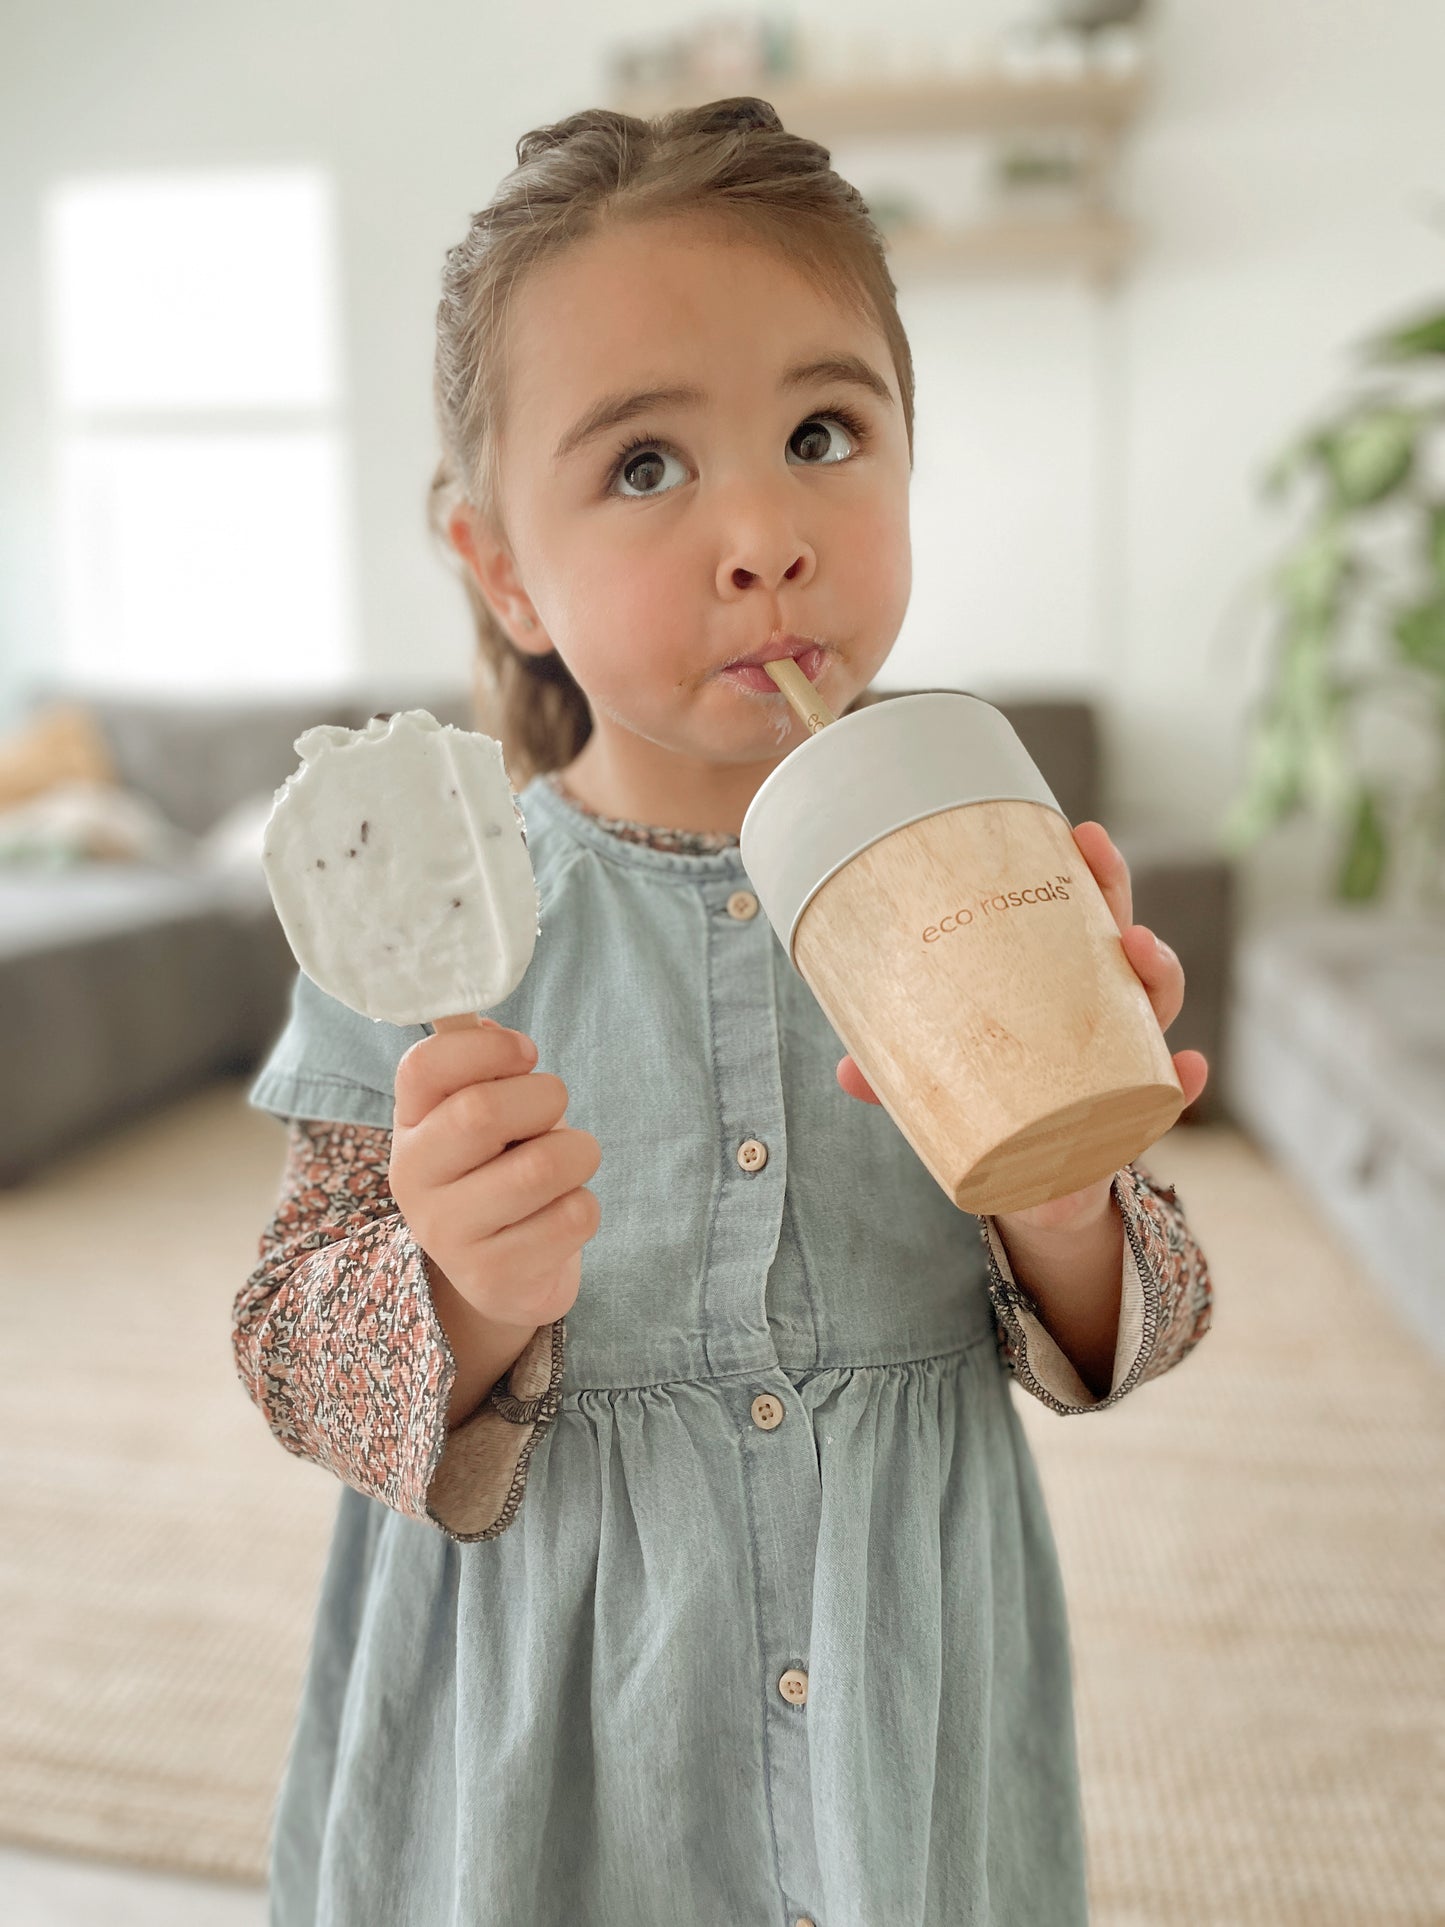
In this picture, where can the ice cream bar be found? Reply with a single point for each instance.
(397, 860)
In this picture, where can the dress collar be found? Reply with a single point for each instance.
(705, 853)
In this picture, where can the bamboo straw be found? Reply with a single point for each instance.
(801, 694)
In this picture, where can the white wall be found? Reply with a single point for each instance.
(1288, 172)
(1084, 500)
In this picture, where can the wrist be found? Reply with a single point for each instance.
(1056, 1226)
(1073, 1275)
(484, 1349)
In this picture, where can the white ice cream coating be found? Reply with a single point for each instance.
(398, 865)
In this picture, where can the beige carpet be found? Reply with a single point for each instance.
(1253, 1549)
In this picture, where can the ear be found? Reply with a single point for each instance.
(489, 563)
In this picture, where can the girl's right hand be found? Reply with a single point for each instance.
(490, 1181)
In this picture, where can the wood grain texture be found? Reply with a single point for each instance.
(974, 971)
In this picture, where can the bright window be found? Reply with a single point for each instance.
(201, 460)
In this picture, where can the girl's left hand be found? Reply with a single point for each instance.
(1162, 976)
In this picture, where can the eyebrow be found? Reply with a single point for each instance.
(615, 409)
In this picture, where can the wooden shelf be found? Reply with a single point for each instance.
(1098, 244)
(1092, 239)
(946, 104)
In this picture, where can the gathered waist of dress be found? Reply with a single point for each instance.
(952, 1346)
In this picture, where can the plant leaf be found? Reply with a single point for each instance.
(1326, 768)
(1420, 633)
(1435, 541)
(1314, 572)
(1273, 789)
(1411, 340)
(1303, 674)
(1370, 455)
(1309, 448)
(1362, 870)
(1282, 470)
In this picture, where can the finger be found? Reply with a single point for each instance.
(1159, 970)
(1111, 872)
(1192, 1069)
(542, 1256)
(446, 1061)
(855, 1083)
(475, 1125)
(522, 1182)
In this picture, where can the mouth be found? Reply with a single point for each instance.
(747, 672)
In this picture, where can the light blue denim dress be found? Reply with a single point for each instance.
(778, 1632)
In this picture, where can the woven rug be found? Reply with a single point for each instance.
(1253, 1550)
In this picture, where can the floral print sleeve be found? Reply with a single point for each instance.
(337, 1342)
(1164, 1311)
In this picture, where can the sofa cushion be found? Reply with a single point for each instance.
(59, 743)
(198, 758)
(1337, 1065)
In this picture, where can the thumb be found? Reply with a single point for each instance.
(855, 1083)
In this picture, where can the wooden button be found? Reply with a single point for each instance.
(767, 1411)
(794, 1686)
(743, 905)
(752, 1155)
(803, 1920)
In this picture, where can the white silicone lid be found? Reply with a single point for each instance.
(869, 774)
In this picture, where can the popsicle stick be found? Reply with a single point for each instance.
(464, 1020)
(801, 694)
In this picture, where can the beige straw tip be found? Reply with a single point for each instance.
(801, 694)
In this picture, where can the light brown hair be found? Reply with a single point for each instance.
(732, 161)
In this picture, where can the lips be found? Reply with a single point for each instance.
(749, 673)
(780, 646)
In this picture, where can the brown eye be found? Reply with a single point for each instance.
(644, 471)
(640, 465)
(813, 439)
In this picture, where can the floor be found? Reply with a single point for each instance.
(42, 1890)
(1252, 1549)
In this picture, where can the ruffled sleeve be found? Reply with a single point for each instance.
(1165, 1305)
(338, 1344)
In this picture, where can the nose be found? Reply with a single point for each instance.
(796, 571)
(762, 547)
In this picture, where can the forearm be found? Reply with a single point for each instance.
(1075, 1278)
(483, 1349)
(339, 1339)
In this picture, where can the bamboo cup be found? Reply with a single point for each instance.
(925, 883)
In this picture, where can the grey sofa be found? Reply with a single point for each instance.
(124, 985)
(1336, 1067)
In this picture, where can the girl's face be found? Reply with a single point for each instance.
(683, 533)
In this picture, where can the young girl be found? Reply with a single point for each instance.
(778, 1635)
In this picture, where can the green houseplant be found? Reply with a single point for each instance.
(1357, 609)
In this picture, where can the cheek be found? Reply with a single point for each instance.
(876, 556)
(626, 584)
(618, 599)
(599, 581)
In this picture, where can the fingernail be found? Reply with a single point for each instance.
(1164, 951)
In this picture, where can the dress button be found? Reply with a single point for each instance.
(767, 1411)
(794, 1686)
(803, 1920)
(752, 1155)
(743, 905)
